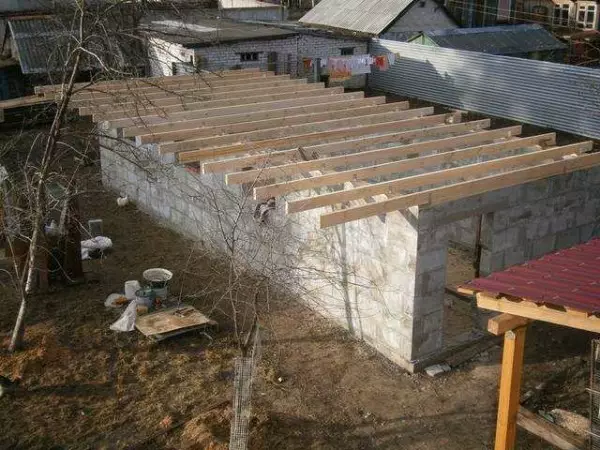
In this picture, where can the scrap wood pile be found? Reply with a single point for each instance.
(293, 138)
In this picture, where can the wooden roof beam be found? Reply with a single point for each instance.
(120, 98)
(244, 73)
(344, 145)
(404, 165)
(373, 156)
(311, 138)
(287, 121)
(166, 110)
(456, 191)
(291, 86)
(291, 130)
(144, 124)
(217, 120)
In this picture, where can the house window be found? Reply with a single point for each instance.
(251, 56)
(586, 16)
(347, 51)
(561, 15)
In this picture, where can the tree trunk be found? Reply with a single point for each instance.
(16, 341)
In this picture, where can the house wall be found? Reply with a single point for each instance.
(383, 278)
(290, 53)
(267, 14)
(360, 275)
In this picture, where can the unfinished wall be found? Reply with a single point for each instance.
(361, 274)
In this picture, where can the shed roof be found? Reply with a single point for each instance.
(499, 40)
(365, 16)
(568, 278)
(241, 4)
(206, 32)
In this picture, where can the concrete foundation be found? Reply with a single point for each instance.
(383, 278)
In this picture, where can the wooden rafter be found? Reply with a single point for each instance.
(464, 189)
(373, 156)
(403, 117)
(322, 136)
(140, 125)
(287, 121)
(345, 145)
(166, 110)
(406, 165)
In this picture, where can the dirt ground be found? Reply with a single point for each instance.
(86, 387)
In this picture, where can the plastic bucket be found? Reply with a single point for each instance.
(145, 297)
(158, 280)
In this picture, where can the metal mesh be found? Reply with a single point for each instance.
(245, 369)
(595, 396)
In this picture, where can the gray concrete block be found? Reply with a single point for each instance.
(511, 237)
(543, 246)
(491, 262)
(514, 256)
(431, 260)
(568, 238)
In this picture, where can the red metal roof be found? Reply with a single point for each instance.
(568, 277)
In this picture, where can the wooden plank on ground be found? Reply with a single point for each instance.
(502, 323)
(131, 126)
(377, 155)
(167, 110)
(216, 139)
(510, 387)
(287, 121)
(404, 165)
(168, 320)
(555, 435)
(464, 189)
(345, 145)
(525, 309)
(311, 138)
(427, 179)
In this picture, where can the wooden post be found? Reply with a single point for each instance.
(510, 386)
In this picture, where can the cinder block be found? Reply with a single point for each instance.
(536, 190)
(567, 238)
(514, 256)
(491, 262)
(511, 237)
(543, 246)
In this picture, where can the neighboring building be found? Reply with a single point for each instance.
(525, 41)
(390, 19)
(252, 10)
(216, 44)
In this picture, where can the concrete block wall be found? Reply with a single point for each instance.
(360, 275)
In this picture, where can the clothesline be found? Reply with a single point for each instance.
(341, 68)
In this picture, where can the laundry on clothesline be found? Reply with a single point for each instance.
(341, 68)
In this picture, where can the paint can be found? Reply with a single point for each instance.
(145, 297)
(158, 280)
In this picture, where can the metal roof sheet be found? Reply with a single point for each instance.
(568, 277)
(499, 40)
(199, 32)
(365, 16)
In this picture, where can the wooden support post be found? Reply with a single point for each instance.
(510, 386)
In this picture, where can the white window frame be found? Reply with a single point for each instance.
(585, 9)
(559, 18)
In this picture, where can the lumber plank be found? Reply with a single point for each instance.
(489, 301)
(464, 189)
(136, 126)
(322, 136)
(149, 90)
(502, 323)
(556, 435)
(192, 91)
(404, 165)
(287, 121)
(216, 139)
(510, 387)
(204, 97)
(345, 145)
(243, 73)
(377, 155)
(166, 110)
(431, 178)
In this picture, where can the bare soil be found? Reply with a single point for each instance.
(85, 386)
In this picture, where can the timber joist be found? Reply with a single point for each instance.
(353, 157)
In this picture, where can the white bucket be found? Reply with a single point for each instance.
(158, 280)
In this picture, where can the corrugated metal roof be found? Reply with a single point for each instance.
(500, 40)
(568, 277)
(365, 16)
(200, 32)
(237, 4)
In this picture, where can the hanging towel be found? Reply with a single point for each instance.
(391, 58)
(381, 62)
(308, 63)
(339, 69)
